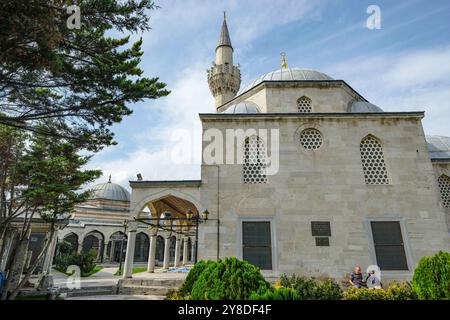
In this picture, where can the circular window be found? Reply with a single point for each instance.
(311, 139)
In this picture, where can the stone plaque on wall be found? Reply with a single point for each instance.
(321, 228)
(322, 241)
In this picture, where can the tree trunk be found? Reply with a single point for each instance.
(30, 270)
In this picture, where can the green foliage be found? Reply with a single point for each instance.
(193, 275)
(84, 260)
(275, 294)
(431, 279)
(402, 291)
(84, 79)
(367, 294)
(228, 279)
(312, 289)
(175, 294)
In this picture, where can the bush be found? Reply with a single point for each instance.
(431, 279)
(193, 275)
(85, 261)
(312, 289)
(401, 291)
(175, 294)
(275, 294)
(367, 294)
(228, 279)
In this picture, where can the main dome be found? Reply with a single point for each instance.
(288, 74)
(110, 191)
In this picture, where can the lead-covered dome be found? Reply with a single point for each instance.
(110, 191)
(364, 107)
(243, 107)
(288, 74)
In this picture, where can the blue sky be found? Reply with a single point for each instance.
(404, 66)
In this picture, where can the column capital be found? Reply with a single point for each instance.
(132, 226)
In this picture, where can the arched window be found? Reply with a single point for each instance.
(254, 169)
(304, 105)
(372, 158)
(444, 187)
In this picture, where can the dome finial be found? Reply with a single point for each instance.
(283, 60)
(109, 180)
(224, 15)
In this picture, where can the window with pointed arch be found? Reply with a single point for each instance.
(444, 187)
(254, 168)
(373, 163)
(304, 105)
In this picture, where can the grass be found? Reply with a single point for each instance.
(135, 270)
(83, 274)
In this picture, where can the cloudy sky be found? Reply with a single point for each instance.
(404, 66)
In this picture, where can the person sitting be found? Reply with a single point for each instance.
(356, 277)
(372, 281)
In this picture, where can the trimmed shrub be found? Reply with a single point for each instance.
(85, 261)
(275, 294)
(175, 294)
(193, 275)
(312, 289)
(228, 279)
(431, 279)
(367, 294)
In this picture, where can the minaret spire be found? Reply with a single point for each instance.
(224, 78)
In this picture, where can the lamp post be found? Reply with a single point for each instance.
(197, 220)
(125, 225)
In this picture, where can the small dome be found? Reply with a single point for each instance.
(288, 74)
(243, 107)
(439, 147)
(110, 191)
(363, 106)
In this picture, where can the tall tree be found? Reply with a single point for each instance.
(84, 79)
(47, 180)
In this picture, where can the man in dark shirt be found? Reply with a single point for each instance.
(356, 277)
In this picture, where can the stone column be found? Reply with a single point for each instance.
(113, 249)
(80, 246)
(105, 251)
(166, 253)
(129, 256)
(185, 251)
(177, 252)
(151, 254)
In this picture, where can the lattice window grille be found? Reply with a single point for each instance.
(444, 187)
(373, 163)
(311, 139)
(254, 169)
(304, 105)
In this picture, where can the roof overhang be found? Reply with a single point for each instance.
(328, 115)
(166, 184)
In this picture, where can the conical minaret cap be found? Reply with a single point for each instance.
(224, 39)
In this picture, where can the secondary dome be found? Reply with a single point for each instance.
(288, 74)
(110, 191)
(243, 107)
(363, 107)
(438, 146)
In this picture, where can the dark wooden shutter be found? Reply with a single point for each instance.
(389, 247)
(257, 247)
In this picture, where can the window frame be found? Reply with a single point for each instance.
(406, 244)
(273, 236)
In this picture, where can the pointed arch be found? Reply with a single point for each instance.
(254, 168)
(373, 163)
(304, 104)
(444, 188)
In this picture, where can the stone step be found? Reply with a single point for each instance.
(143, 290)
(170, 283)
(90, 291)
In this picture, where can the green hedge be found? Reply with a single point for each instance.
(275, 294)
(431, 279)
(228, 279)
(192, 277)
(312, 289)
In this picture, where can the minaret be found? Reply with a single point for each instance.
(224, 78)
